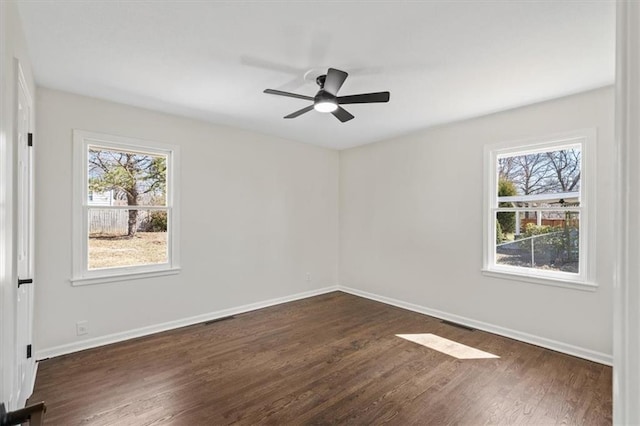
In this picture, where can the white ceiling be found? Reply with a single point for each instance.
(441, 61)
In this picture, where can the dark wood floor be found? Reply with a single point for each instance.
(323, 360)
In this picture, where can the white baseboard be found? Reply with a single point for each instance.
(25, 393)
(577, 351)
(144, 331)
(33, 379)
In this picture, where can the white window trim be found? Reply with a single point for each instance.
(585, 279)
(81, 275)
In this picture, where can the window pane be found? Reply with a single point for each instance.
(120, 238)
(541, 240)
(121, 178)
(535, 178)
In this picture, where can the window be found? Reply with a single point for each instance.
(538, 206)
(125, 208)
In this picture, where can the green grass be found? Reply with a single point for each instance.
(110, 251)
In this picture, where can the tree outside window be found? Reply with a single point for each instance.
(134, 236)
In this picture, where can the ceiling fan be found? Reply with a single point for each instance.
(327, 99)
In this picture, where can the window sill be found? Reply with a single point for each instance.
(554, 282)
(101, 279)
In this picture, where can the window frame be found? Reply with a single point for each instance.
(584, 280)
(81, 274)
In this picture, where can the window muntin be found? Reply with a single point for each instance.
(537, 215)
(125, 218)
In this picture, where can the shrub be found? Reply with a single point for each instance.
(507, 220)
(532, 229)
(499, 234)
(157, 222)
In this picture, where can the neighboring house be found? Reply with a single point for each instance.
(101, 198)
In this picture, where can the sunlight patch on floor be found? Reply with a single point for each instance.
(446, 346)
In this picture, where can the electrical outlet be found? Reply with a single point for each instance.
(308, 276)
(82, 327)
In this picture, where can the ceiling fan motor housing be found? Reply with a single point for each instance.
(322, 96)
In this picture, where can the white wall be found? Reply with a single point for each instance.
(411, 226)
(12, 46)
(258, 213)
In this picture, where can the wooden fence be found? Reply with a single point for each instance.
(114, 222)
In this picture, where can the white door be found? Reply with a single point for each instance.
(25, 364)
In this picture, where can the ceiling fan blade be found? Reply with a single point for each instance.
(299, 112)
(364, 98)
(335, 79)
(289, 94)
(342, 114)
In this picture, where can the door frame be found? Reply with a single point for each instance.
(6, 207)
(626, 281)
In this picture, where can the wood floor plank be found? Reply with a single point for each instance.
(330, 359)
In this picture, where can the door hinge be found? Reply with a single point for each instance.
(30, 139)
(24, 281)
(28, 351)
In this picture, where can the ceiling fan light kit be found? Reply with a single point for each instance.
(327, 99)
(325, 106)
